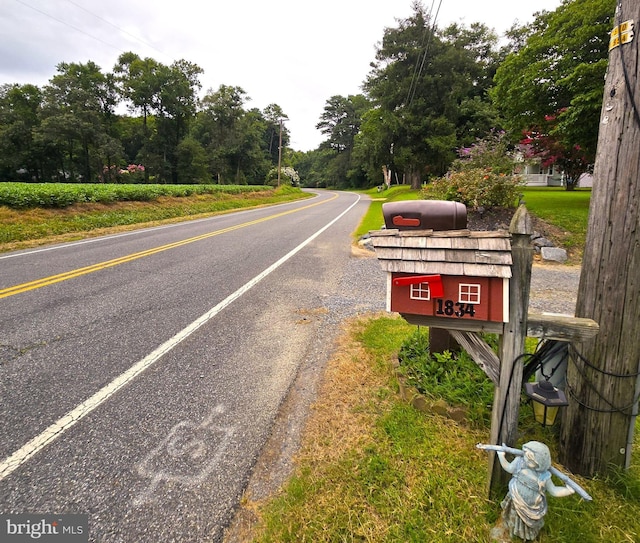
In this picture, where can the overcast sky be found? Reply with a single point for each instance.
(295, 53)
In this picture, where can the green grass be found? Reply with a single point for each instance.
(567, 210)
(414, 477)
(19, 227)
(373, 219)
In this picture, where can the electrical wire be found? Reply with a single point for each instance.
(61, 21)
(137, 38)
(613, 408)
(627, 82)
(69, 25)
(422, 60)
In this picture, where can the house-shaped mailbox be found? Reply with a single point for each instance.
(453, 274)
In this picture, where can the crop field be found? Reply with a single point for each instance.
(61, 195)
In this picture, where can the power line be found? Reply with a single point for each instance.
(416, 76)
(69, 25)
(137, 38)
(61, 21)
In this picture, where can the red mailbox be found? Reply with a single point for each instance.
(452, 275)
(455, 297)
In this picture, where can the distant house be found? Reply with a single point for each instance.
(536, 175)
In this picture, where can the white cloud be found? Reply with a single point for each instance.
(293, 53)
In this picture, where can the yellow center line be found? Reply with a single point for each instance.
(52, 279)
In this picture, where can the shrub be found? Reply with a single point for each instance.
(493, 153)
(288, 176)
(476, 187)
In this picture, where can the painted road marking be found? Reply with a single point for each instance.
(52, 279)
(187, 455)
(39, 442)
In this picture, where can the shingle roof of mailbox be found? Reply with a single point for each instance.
(450, 252)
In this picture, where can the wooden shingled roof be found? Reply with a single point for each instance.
(449, 252)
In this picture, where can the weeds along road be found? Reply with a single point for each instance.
(140, 373)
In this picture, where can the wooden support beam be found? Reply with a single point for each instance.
(481, 353)
(540, 325)
(561, 327)
(467, 325)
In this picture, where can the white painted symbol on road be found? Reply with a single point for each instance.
(187, 456)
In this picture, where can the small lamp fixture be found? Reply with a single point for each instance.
(546, 400)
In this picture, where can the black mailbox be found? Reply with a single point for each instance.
(425, 215)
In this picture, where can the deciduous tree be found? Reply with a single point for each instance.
(557, 69)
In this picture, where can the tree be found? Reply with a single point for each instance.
(192, 161)
(19, 116)
(176, 107)
(602, 378)
(419, 81)
(139, 84)
(217, 127)
(240, 143)
(275, 131)
(557, 69)
(76, 115)
(550, 150)
(340, 122)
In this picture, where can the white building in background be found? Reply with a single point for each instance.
(537, 176)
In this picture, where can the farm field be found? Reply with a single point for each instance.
(32, 215)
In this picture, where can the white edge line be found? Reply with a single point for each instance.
(54, 431)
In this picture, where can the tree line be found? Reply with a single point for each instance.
(70, 130)
(430, 93)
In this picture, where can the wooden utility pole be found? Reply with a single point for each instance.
(279, 152)
(602, 378)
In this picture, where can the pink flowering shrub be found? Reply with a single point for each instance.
(476, 188)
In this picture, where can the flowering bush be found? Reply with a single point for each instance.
(475, 188)
(288, 176)
(492, 152)
(133, 173)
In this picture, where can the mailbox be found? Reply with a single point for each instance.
(425, 215)
(447, 276)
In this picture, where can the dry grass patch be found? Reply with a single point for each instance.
(371, 468)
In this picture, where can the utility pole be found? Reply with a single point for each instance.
(279, 152)
(602, 377)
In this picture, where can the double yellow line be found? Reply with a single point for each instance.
(52, 279)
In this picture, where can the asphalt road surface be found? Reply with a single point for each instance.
(140, 373)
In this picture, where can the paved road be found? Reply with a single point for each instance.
(140, 374)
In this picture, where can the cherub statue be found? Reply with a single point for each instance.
(525, 505)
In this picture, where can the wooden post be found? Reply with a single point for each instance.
(506, 401)
(597, 426)
(279, 152)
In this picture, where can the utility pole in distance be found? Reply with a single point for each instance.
(602, 377)
(279, 152)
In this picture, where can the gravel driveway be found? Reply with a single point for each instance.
(554, 288)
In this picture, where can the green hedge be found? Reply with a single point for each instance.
(61, 195)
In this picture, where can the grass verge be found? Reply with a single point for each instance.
(373, 219)
(562, 215)
(371, 468)
(27, 228)
(567, 211)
